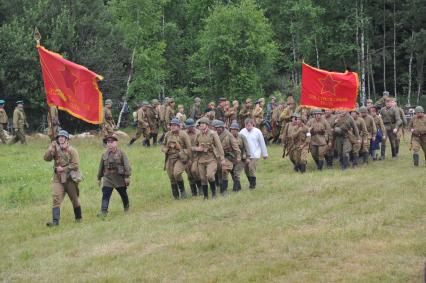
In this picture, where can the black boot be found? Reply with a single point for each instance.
(77, 214)
(175, 191)
(217, 180)
(224, 187)
(295, 166)
(329, 160)
(393, 150)
(148, 142)
(345, 162)
(365, 157)
(182, 191)
(302, 168)
(397, 148)
(200, 188)
(131, 141)
(193, 190)
(316, 162)
(213, 189)
(382, 151)
(205, 191)
(252, 183)
(416, 159)
(355, 158)
(237, 186)
(104, 208)
(320, 164)
(56, 215)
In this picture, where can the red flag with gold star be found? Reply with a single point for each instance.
(71, 87)
(328, 90)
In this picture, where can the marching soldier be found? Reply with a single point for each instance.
(358, 147)
(343, 124)
(177, 150)
(245, 156)
(371, 136)
(153, 116)
(297, 139)
(320, 137)
(246, 111)
(232, 113)
(382, 101)
(380, 136)
(400, 132)
(275, 121)
(417, 127)
(192, 168)
(114, 173)
(108, 124)
(286, 114)
(220, 110)
(209, 149)
(392, 121)
(195, 111)
(169, 112)
(329, 155)
(19, 122)
(231, 151)
(53, 122)
(66, 176)
(162, 112)
(142, 126)
(3, 122)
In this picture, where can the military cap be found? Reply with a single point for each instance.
(222, 99)
(261, 100)
(248, 100)
(175, 121)
(19, 102)
(170, 100)
(155, 101)
(189, 122)
(144, 103)
(273, 97)
(386, 93)
(2, 102)
(108, 101)
(197, 99)
(113, 137)
(204, 120)
(363, 109)
(63, 133)
(316, 111)
(356, 110)
(234, 125)
(218, 124)
(295, 115)
(369, 100)
(419, 109)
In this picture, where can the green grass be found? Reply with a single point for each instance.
(362, 225)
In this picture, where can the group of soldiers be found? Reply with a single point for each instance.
(19, 123)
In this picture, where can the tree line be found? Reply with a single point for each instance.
(211, 48)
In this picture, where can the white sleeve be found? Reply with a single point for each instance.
(262, 144)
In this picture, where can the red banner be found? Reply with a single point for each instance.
(328, 90)
(71, 87)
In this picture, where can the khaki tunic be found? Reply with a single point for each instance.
(418, 134)
(108, 124)
(195, 112)
(231, 151)
(19, 122)
(230, 116)
(152, 116)
(321, 135)
(285, 117)
(363, 134)
(379, 125)
(245, 154)
(192, 168)
(347, 125)
(3, 125)
(176, 157)
(168, 115)
(143, 125)
(220, 113)
(245, 112)
(114, 167)
(297, 138)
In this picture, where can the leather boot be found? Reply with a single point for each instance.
(237, 186)
(302, 168)
(365, 157)
(383, 151)
(252, 183)
(154, 139)
(181, 186)
(393, 151)
(148, 142)
(175, 191)
(77, 214)
(416, 159)
(320, 164)
(56, 215)
(345, 162)
(397, 148)
(200, 188)
(355, 159)
(193, 190)
(131, 141)
(205, 191)
(329, 160)
(224, 187)
(213, 189)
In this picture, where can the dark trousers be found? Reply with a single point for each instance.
(106, 195)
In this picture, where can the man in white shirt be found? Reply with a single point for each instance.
(256, 148)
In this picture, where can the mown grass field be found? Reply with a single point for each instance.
(362, 225)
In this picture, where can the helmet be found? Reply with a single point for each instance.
(234, 126)
(295, 115)
(363, 109)
(197, 99)
(316, 111)
(154, 101)
(63, 133)
(144, 103)
(189, 122)
(419, 109)
(110, 137)
(386, 93)
(356, 110)
(108, 101)
(218, 124)
(204, 120)
(175, 121)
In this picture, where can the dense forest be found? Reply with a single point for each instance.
(211, 48)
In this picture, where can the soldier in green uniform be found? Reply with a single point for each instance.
(246, 111)
(169, 112)
(19, 122)
(321, 137)
(381, 134)
(108, 124)
(417, 127)
(162, 112)
(142, 126)
(114, 173)
(296, 139)
(209, 149)
(177, 150)
(192, 167)
(400, 132)
(245, 156)
(220, 110)
(343, 124)
(195, 110)
(371, 136)
(329, 155)
(231, 152)
(53, 122)
(286, 115)
(3, 122)
(358, 147)
(392, 121)
(381, 102)
(66, 176)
